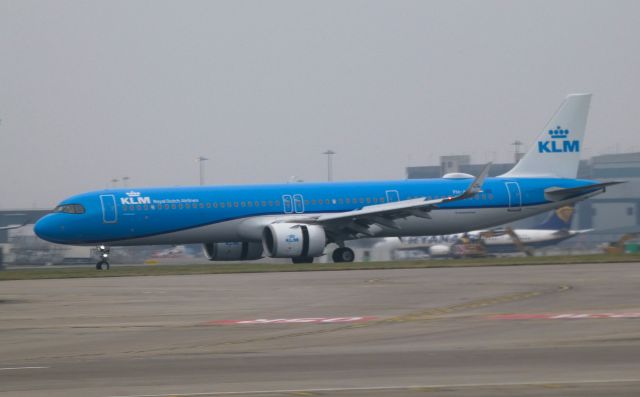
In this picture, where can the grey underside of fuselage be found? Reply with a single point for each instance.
(443, 221)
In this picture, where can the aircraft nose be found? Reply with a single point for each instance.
(45, 228)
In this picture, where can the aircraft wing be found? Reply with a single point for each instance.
(358, 221)
(9, 227)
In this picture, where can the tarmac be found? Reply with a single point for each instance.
(569, 330)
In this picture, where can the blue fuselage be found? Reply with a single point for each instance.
(150, 215)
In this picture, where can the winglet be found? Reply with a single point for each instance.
(476, 185)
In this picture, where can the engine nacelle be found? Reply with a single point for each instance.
(291, 240)
(232, 251)
(439, 250)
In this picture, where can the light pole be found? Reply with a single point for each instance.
(517, 145)
(329, 153)
(201, 160)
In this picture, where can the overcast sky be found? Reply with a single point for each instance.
(91, 91)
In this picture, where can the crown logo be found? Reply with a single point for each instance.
(133, 194)
(558, 133)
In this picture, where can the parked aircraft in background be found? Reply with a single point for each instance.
(178, 251)
(298, 220)
(554, 229)
(9, 227)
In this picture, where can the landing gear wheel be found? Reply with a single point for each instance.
(302, 259)
(343, 254)
(102, 265)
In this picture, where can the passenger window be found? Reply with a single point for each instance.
(277, 203)
(249, 203)
(187, 206)
(222, 204)
(264, 203)
(340, 201)
(235, 204)
(348, 200)
(327, 201)
(375, 200)
(124, 208)
(270, 203)
(243, 204)
(368, 200)
(313, 202)
(382, 199)
(256, 203)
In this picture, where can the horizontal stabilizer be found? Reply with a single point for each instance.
(559, 194)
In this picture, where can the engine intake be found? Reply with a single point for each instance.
(290, 240)
(232, 251)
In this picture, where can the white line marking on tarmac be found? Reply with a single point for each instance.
(382, 388)
(304, 320)
(18, 368)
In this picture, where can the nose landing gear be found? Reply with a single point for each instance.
(103, 263)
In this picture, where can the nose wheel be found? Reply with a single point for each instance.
(103, 263)
(343, 254)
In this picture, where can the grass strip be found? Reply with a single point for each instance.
(224, 268)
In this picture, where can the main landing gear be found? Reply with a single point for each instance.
(103, 263)
(343, 254)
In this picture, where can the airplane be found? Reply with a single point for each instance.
(298, 220)
(14, 226)
(554, 229)
(178, 251)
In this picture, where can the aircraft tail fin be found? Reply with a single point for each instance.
(556, 151)
(558, 219)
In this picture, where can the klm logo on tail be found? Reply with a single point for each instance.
(558, 142)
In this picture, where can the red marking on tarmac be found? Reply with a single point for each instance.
(303, 320)
(563, 316)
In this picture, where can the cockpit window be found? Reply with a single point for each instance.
(70, 208)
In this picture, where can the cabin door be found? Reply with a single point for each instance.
(392, 195)
(109, 209)
(515, 196)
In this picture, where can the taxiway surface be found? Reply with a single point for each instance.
(571, 330)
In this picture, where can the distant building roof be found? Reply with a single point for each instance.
(436, 171)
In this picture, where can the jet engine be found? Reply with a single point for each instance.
(439, 250)
(290, 240)
(232, 251)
